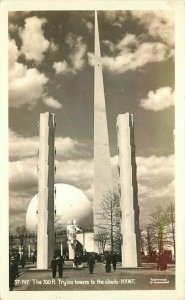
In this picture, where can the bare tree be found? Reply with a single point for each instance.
(109, 219)
(160, 232)
(101, 237)
(58, 225)
(159, 228)
(170, 215)
(21, 232)
(147, 240)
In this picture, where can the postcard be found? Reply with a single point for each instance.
(92, 124)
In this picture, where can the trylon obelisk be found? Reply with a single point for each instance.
(102, 165)
(45, 231)
(128, 192)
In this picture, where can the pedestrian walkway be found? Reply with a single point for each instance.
(81, 279)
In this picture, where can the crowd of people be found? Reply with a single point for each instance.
(109, 259)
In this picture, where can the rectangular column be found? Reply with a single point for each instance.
(128, 192)
(45, 231)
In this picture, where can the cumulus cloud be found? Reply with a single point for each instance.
(116, 18)
(61, 67)
(34, 44)
(132, 54)
(159, 24)
(155, 170)
(13, 53)
(109, 45)
(155, 177)
(129, 41)
(23, 174)
(67, 148)
(158, 100)
(129, 54)
(91, 58)
(155, 184)
(51, 102)
(76, 172)
(89, 26)
(78, 50)
(53, 47)
(21, 147)
(76, 56)
(25, 85)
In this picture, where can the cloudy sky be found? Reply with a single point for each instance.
(51, 69)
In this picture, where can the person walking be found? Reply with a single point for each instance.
(33, 259)
(91, 263)
(54, 266)
(108, 263)
(60, 263)
(22, 261)
(13, 273)
(75, 261)
(114, 260)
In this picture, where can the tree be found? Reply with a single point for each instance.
(147, 240)
(109, 220)
(101, 237)
(170, 215)
(22, 234)
(58, 225)
(161, 230)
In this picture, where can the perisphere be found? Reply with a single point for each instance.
(70, 204)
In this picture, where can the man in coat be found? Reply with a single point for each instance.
(60, 263)
(114, 260)
(54, 266)
(91, 263)
(13, 273)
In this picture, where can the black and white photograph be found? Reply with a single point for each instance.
(92, 190)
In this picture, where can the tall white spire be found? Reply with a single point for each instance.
(102, 165)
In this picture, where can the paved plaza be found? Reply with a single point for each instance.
(144, 278)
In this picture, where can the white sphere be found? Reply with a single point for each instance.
(70, 204)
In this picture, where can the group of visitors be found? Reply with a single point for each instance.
(57, 263)
(110, 258)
